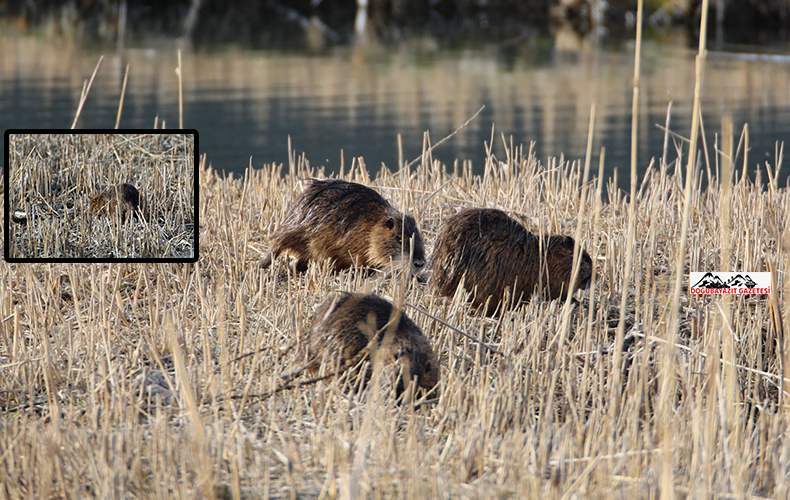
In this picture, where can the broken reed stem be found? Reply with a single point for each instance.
(123, 94)
(427, 151)
(180, 93)
(729, 374)
(457, 330)
(667, 376)
(778, 327)
(201, 456)
(577, 248)
(630, 248)
(785, 348)
(85, 92)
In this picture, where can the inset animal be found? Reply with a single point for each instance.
(346, 325)
(123, 196)
(349, 224)
(492, 252)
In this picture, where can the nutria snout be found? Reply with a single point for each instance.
(344, 326)
(493, 252)
(349, 224)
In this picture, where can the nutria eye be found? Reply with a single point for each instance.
(390, 223)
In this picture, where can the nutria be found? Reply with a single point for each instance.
(493, 251)
(343, 327)
(107, 201)
(349, 224)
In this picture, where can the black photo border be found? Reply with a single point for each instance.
(7, 212)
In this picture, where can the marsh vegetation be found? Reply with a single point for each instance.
(538, 407)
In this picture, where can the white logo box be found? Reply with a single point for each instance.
(719, 282)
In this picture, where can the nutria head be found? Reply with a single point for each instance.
(394, 239)
(559, 262)
(420, 364)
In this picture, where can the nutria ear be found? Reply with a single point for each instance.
(390, 223)
(568, 243)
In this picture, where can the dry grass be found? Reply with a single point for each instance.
(52, 178)
(538, 420)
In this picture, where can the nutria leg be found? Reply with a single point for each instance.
(301, 264)
(266, 262)
(291, 241)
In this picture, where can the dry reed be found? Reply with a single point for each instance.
(533, 415)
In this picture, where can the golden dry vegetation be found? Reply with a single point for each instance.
(543, 409)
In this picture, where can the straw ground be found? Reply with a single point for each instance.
(52, 179)
(532, 414)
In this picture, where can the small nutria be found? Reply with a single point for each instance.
(494, 252)
(107, 201)
(343, 328)
(349, 224)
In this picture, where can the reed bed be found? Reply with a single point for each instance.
(52, 178)
(164, 380)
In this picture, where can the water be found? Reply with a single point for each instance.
(357, 99)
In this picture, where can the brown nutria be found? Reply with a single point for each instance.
(107, 201)
(344, 326)
(349, 224)
(493, 251)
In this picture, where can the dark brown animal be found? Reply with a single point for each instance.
(108, 201)
(494, 252)
(349, 224)
(344, 326)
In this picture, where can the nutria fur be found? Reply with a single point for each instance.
(494, 252)
(107, 201)
(343, 328)
(349, 224)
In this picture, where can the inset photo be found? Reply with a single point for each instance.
(84, 196)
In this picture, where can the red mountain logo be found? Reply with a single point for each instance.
(738, 281)
(715, 283)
